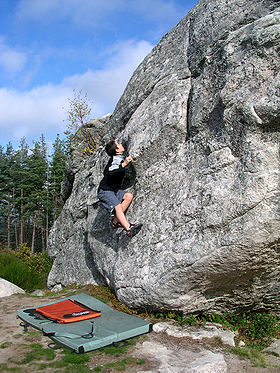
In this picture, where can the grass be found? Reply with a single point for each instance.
(73, 362)
(69, 361)
(26, 270)
(14, 270)
(5, 345)
(73, 358)
(5, 368)
(65, 360)
(118, 350)
(254, 354)
(256, 329)
(37, 353)
(273, 353)
(17, 336)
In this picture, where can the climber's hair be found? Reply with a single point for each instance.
(111, 148)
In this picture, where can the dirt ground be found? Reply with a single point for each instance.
(17, 346)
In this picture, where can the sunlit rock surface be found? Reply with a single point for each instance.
(201, 116)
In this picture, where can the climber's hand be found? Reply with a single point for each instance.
(127, 161)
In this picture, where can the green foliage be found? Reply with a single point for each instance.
(250, 353)
(69, 362)
(5, 368)
(5, 345)
(73, 358)
(29, 273)
(182, 320)
(119, 349)
(17, 272)
(41, 262)
(77, 117)
(30, 192)
(56, 175)
(37, 353)
(256, 329)
(188, 320)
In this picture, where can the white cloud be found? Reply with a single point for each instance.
(80, 12)
(160, 10)
(32, 112)
(11, 60)
(90, 12)
(40, 110)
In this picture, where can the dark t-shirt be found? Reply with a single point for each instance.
(114, 174)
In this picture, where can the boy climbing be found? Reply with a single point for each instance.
(112, 197)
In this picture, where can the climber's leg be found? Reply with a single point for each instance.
(116, 204)
(120, 217)
(126, 201)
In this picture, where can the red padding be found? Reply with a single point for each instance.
(67, 311)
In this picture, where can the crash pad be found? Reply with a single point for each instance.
(110, 327)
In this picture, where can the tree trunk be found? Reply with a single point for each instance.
(15, 217)
(55, 208)
(47, 230)
(16, 237)
(9, 223)
(33, 232)
(21, 218)
(43, 237)
(47, 212)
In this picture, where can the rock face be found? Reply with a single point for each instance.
(201, 116)
(76, 160)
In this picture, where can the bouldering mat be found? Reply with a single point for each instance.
(110, 327)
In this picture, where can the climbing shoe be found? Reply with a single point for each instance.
(116, 225)
(133, 229)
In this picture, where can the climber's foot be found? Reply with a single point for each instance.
(116, 225)
(133, 229)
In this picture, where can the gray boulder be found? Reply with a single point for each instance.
(7, 288)
(201, 117)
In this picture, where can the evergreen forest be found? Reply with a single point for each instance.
(30, 201)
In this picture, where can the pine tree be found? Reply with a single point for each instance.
(30, 192)
(20, 178)
(34, 207)
(6, 190)
(57, 173)
(2, 196)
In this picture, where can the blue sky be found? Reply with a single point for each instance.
(50, 47)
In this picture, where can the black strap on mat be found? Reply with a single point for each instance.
(70, 335)
(25, 326)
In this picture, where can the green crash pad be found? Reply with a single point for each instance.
(81, 336)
